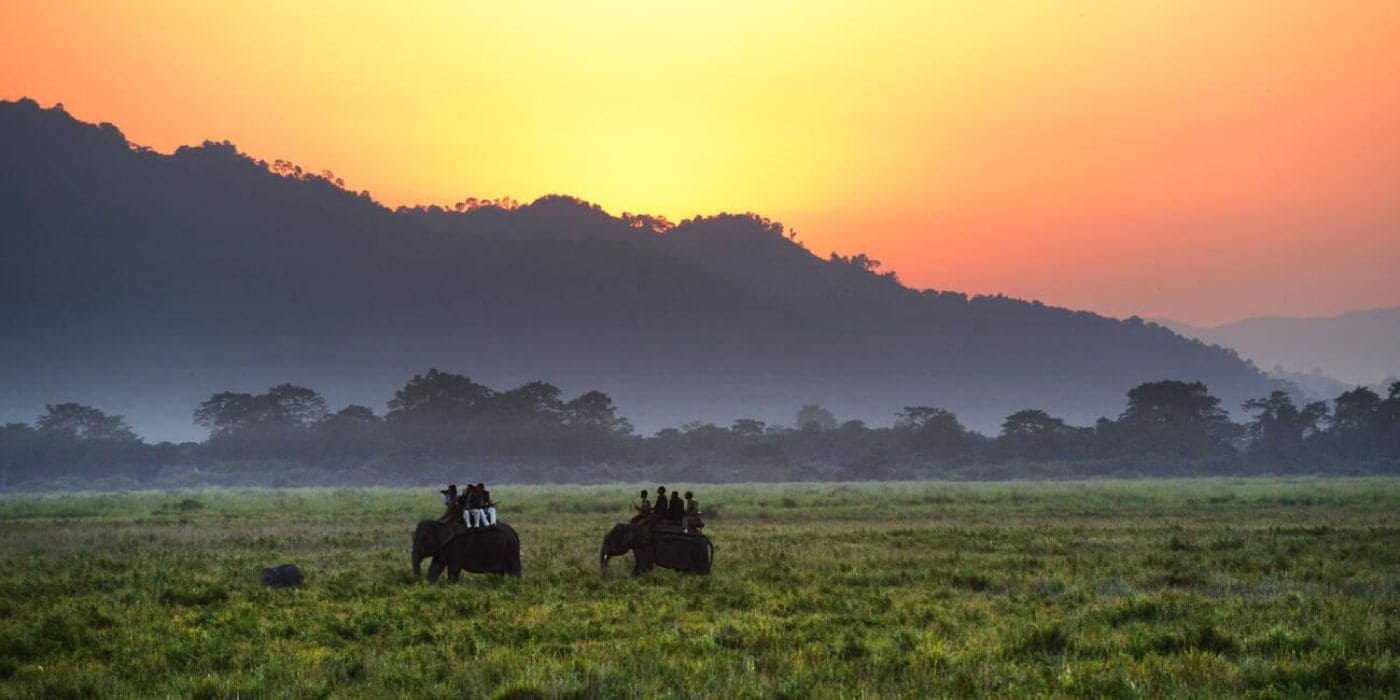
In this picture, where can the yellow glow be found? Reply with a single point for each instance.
(1119, 156)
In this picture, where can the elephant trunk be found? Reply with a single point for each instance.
(423, 545)
(419, 554)
(603, 557)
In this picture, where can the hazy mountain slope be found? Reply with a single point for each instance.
(1360, 347)
(142, 283)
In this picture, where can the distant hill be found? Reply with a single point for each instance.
(142, 283)
(1360, 347)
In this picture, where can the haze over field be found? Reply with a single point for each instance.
(1358, 347)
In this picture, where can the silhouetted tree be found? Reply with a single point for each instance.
(532, 402)
(931, 431)
(1389, 446)
(291, 406)
(1031, 423)
(747, 427)
(21, 453)
(1176, 418)
(74, 422)
(78, 440)
(1037, 435)
(355, 414)
(1279, 428)
(1173, 403)
(595, 410)
(226, 413)
(286, 407)
(438, 397)
(813, 417)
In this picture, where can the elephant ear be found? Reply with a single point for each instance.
(445, 533)
(435, 536)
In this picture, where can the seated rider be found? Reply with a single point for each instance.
(675, 512)
(475, 518)
(454, 510)
(643, 510)
(464, 500)
(658, 511)
(488, 508)
(692, 512)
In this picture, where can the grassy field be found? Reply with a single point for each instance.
(1201, 587)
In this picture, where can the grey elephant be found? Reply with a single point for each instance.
(494, 549)
(653, 546)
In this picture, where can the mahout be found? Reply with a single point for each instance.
(493, 549)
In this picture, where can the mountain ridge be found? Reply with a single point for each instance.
(141, 283)
(1359, 347)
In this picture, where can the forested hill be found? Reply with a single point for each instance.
(141, 283)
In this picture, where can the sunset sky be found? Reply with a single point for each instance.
(1199, 161)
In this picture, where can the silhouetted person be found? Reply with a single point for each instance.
(692, 512)
(643, 509)
(449, 499)
(488, 508)
(676, 512)
(471, 499)
(659, 510)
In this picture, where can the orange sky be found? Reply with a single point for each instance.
(1200, 161)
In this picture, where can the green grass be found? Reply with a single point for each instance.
(1125, 588)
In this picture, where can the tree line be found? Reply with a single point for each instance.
(441, 426)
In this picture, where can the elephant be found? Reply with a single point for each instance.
(652, 546)
(494, 549)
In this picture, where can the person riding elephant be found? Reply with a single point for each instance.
(692, 513)
(491, 550)
(675, 512)
(454, 507)
(650, 548)
(643, 509)
(488, 507)
(476, 516)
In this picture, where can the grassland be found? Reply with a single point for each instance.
(1200, 587)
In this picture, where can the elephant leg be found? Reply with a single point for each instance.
(454, 571)
(435, 569)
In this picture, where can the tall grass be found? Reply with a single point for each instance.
(1125, 588)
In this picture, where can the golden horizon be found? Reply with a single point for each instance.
(1198, 161)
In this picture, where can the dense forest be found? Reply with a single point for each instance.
(442, 427)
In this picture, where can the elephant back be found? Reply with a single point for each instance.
(684, 551)
(499, 529)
